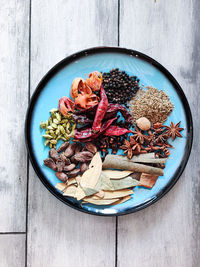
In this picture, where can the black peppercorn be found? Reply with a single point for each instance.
(119, 86)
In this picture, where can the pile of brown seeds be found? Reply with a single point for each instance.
(153, 104)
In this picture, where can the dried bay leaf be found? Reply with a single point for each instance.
(78, 179)
(104, 183)
(80, 194)
(124, 183)
(117, 193)
(89, 191)
(61, 186)
(70, 191)
(100, 201)
(122, 200)
(100, 194)
(71, 181)
(90, 177)
(113, 174)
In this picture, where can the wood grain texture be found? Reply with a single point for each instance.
(166, 234)
(57, 234)
(12, 250)
(13, 104)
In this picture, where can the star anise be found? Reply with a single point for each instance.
(151, 147)
(166, 152)
(149, 138)
(158, 125)
(173, 130)
(165, 144)
(127, 147)
(160, 139)
(138, 136)
(136, 147)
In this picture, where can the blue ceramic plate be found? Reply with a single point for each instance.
(57, 82)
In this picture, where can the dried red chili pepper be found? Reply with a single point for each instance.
(116, 131)
(101, 111)
(81, 119)
(88, 135)
(88, 111)
(117, 107)
(110, 114)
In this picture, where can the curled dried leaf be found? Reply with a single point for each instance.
(100, 201)
(122, 200)
(113, 174)
(70, 191)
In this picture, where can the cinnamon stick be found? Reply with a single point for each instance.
(114, 162)
(143, 159)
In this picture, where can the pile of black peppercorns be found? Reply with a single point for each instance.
(119, 86)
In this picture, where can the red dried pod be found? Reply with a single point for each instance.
(101, 111)
(88, 135)
(116, 131)
(117, 107)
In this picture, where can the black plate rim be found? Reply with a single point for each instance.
(101, 49)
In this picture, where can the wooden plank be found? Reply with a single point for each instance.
(12, 250)
(14, 17)
(167, 233)
(57, 234)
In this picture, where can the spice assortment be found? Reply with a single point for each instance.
(113, 147)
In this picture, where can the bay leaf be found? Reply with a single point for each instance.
(100, 194)
(100, 201)
(70, 191)
(122, 200)
(117, 193)
(90, 177)
(71, 181)
(114, 174)
(80, 194)
(89, 191)
(124, 183)
(61, 186)
(104, 183)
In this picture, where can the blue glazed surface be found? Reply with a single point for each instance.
(59, 85)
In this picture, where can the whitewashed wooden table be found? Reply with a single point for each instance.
(35, 228)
